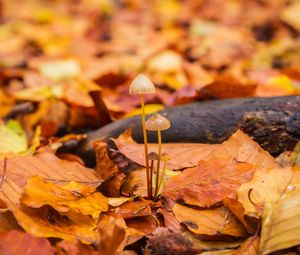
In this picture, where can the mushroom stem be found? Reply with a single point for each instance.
(162, 174)
(158, 163)
(145, 145)
(151, 178)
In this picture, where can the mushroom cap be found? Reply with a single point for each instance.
(157, 122)
(152, 156)
(141, 85)
(165, 156)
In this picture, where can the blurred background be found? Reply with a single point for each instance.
(66, 64)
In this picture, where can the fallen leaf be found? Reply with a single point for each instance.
(208, 183)
(201, 245)
(16, 242)
(182, 156)
(238, 210)
(13, 138)
(265, 187)
(218, 221)
(105, 167)
(74, 248)
(51, 168)
(60, 69)
(290, 15)
(170, 220)
(73, 198)
(111, 238)
(280, 224)
(249, 247)
(46, 222)
(133, 209)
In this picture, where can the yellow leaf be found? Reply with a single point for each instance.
(266, 187)
(215, 221)
(13, 138)
(281, 224)
(149, 109)
(249, 247)
(71, 199)
(46, 222)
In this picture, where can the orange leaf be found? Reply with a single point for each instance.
(73, 198)
(51, 168)
(249, 247)
(208, 183)
(182, 155)
(217, 221)
(46, 222)
(16, 242)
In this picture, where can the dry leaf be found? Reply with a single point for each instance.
(73, 198)
(51, 168)
(249, 247)
(218, 221)
(208, 183)
(239, 147)
(46, 222)
(182, 155)
(16, 242)
(266, 187)
(281, 225)
(74, 248)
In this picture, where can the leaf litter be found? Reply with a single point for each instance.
(56, 82)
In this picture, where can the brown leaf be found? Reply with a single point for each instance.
(170, 220)
(182, 155)
(238, 210)
(74, 248)
(249, 247)
(133, 209)
(51, 168)
(208, 183)
(105, 168)
(16, 243)
(218, 221)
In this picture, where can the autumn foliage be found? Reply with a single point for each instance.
(66, 68)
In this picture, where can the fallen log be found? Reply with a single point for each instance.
(273, 122)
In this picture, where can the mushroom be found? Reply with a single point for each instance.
(152, 156)
(142, 85)
(157, 123)
(164, 157)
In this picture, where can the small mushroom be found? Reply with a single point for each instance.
(164, 157)
(157, 123)
(142, 85)
(152, 156)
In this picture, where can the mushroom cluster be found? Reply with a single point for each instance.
(142, 85)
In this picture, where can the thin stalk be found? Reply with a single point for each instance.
(151, 176)
(162, 174)
(145, 145)
(158, 163)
